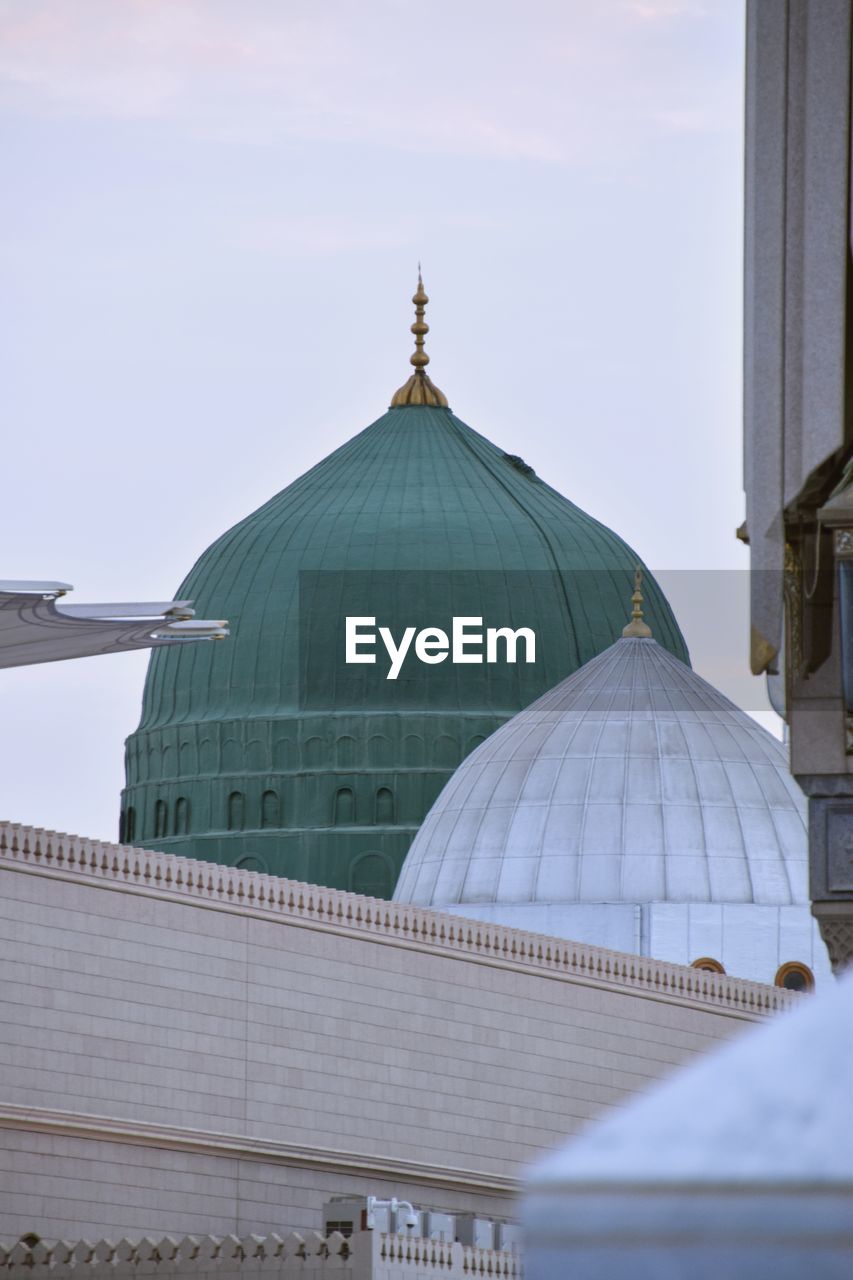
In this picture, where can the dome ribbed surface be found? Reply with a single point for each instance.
(633, 780)
(416, 491)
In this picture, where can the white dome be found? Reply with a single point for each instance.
(633, 806)
(632, 781)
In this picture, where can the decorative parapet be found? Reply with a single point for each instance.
(366, 1256)
(171, 1256)
(210, 885)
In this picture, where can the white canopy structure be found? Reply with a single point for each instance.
(35, 628)
(741, 1165)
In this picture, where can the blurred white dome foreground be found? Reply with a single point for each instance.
(635, 807)
(740, 1166)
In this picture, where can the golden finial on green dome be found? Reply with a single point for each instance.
(637, 628)
(420, 389)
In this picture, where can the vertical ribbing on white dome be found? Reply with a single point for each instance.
(634, 780)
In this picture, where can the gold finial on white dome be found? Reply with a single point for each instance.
(637, 628)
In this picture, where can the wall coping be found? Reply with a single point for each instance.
(170, 876)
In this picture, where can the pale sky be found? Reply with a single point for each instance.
(213, 215)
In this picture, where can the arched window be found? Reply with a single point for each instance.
(129, 825)
(384, 807)
(372, 874)
(344, 807)
(795, 976)
(284, 754)
(236, 808)
(707, 964)
(269, 809)
(446, 751)
(161, 818)
(379, 750)
(182, 816)
(251, 862)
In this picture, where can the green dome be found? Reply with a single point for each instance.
(265, 750)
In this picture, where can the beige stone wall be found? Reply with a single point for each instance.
(188, 1048)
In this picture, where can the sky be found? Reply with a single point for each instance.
(213, 218)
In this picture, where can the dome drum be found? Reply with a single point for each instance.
(321, 782)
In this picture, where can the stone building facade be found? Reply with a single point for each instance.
(190, 1048)
(798, 426)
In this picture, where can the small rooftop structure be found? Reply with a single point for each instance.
(35, 628)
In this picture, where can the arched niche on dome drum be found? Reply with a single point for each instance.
(384, 808)
(445, 751)
(270, 809)
(232, 756)
(315, 753)
(236, 815)
(284, 754)
(256, 756)
(161, 819)
(344, 808)
(414, 752)
(252, 862)
(188, 761)
(207, 756)
(129, 832)
(432, 785)
(372, 874)
(379, 750)
(182, 816)
(346, 752)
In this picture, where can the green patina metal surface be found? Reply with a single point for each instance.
(246, 753)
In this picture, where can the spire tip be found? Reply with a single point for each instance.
(419, 389)
(637, 628)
